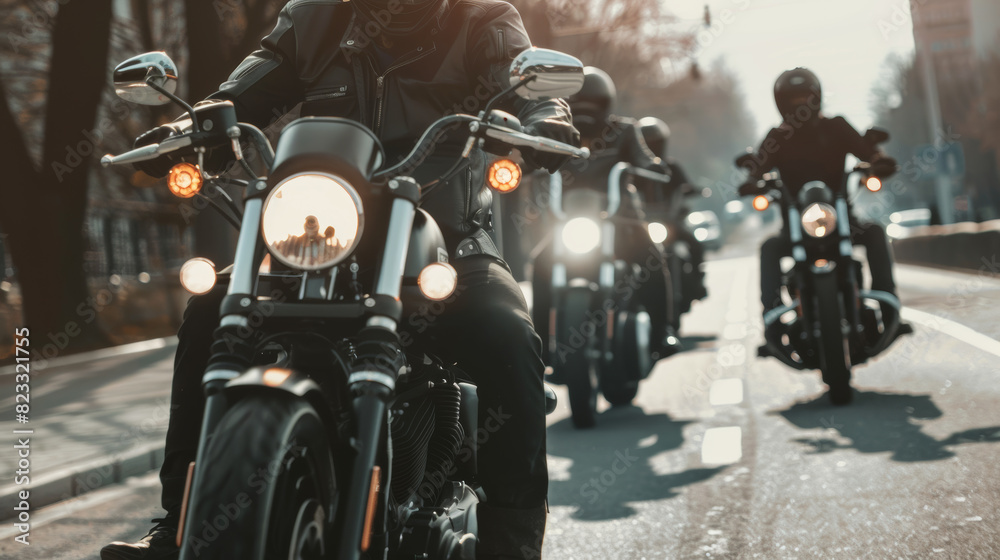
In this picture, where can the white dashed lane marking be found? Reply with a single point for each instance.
(726, 391)
(722, 446)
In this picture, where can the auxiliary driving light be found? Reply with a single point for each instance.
(438, 281)
(198, 276)
(657, 232)
(185, 180)
(874, 184)
(760, 203)
(504, 175)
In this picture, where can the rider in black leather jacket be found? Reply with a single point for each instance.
(397, 67)
(808, 146)
(613, 139)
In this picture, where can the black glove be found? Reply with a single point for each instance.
(160, 166)
(883, 167)
(553, 130)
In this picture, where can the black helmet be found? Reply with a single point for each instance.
(398, 18)
(592, 105)
(798, 95)
(656, 133)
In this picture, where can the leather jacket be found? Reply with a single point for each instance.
(620, 141)
(320, 56)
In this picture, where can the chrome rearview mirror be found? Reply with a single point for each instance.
(546, 74)
(132, 78)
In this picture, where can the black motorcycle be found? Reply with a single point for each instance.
(829, 323)
(324, 434)
(599, 335)
(670, 227)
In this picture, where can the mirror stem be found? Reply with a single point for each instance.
(190, 110)
(502, 95)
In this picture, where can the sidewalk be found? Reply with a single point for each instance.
(97, 418)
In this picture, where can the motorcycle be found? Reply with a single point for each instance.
(599, 336)
(678, 231)
(325, 434)
(829, 323)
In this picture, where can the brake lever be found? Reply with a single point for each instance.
(146, 153)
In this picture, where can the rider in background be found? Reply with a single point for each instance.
(658, 197)
(612, 139)
(808, 146)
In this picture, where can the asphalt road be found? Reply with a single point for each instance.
(726, 455)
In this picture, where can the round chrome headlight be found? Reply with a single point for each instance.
(312, 221)
(581, 235)
(819, 220)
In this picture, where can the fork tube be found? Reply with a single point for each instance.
(390, 276)
(243, 273)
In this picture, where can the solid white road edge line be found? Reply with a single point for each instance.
(951, 328)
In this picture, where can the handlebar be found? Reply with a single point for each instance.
(147, 153)
(539, 143)
(425, 145)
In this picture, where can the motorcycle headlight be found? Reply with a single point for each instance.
(312, 221)
(657, 232)
(819, 220)
(581, 235)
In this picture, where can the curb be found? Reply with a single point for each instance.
(100, 354)
(74, 481)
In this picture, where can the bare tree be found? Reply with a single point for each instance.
(47, 202)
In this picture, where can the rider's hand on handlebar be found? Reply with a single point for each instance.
(161, 166)
(749, 188)
(554, 130)
(883, 167)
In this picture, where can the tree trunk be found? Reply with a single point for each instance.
(45, 227)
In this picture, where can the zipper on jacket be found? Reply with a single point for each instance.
(380, 86)
(502, 43)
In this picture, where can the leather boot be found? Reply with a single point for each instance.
(510, 534)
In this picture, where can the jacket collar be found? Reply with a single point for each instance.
(356, 39)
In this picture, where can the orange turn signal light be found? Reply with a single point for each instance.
(505, 175)
(185, 180)
(760, 203)
(874, 184)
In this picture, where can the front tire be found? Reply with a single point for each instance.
(835, 356)
(269, 488)
(573, 359)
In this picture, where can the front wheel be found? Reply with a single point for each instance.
(574, 344)
(835, 357)
(268, 489)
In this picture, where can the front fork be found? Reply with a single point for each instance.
(372, 378)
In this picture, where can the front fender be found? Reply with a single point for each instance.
(269, 378)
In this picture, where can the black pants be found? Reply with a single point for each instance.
(652, 289)
(486, 330)
(872, 236)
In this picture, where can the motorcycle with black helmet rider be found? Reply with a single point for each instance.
(601, 286)
(666, 210)
(825, 285)
(397, 67)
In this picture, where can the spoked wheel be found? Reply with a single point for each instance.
(269, 489)
(574, 361)
(836, 353)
